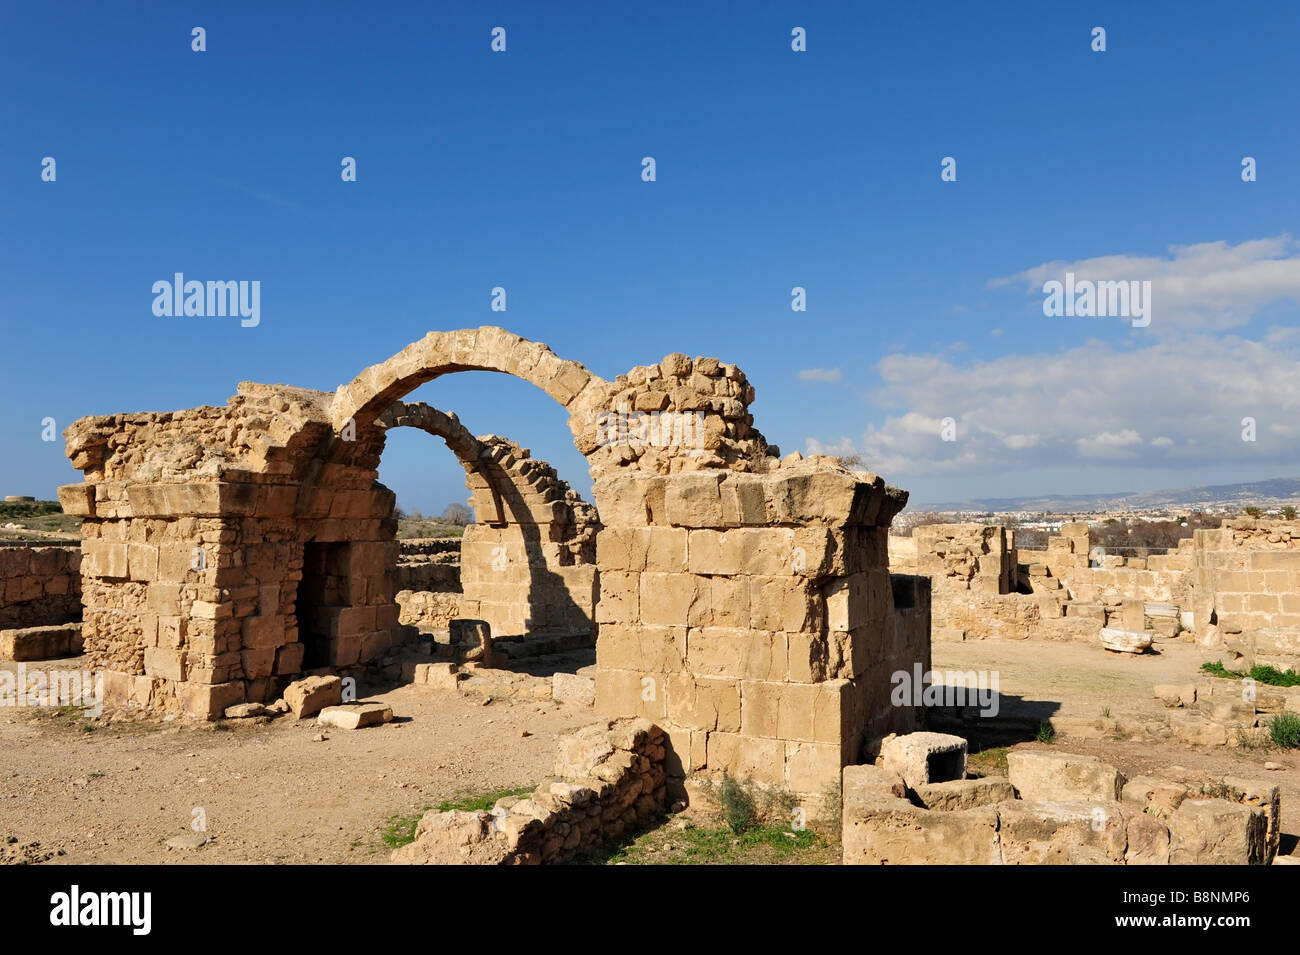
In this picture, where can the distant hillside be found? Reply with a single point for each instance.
(1275, 491)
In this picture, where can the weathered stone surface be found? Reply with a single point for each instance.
(1217, 832)
(308, 697)
(878, 830)
(352, 716)
(1063, 777)
(1062, 832)
(618, 781)
(244, 710)
(1125, 641)
(573, 688)
(40, 643)
(1154, 794)
(965, 793)
(922, 758)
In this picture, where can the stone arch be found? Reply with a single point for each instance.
(528, 561)
(489, 348)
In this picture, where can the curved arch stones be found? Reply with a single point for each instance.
(745, 602)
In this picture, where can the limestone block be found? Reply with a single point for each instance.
(1194, 729)
(440, 676)
(206, 701)
(40, 643)
(355, 716)
(309, 696)
(1065, 832)
(1148, 840)
(1154, 795)
(288, 659)
(573, 688)
(957, 794)
(882, 831)
(1217, 832)
(922, 758)
(1126, 641)
(1063, 777)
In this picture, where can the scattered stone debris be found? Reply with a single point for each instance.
(13, 852)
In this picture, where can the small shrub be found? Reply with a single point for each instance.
(1289, 512)
(737, 804)
(1219, 789)
(1105, 713)
(1218, 669)
(1285, 730)
(1253, 512)
(1045, 733)
(1274, 677)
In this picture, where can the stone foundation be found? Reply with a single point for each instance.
(609, 778)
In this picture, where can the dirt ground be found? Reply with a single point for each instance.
(272, 793)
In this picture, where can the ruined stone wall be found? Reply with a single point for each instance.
(198, 529)
(39, 585)
(1247, 579)
(529, 558)
(427, 580)
(608, 779)
(1067, 565)
(752, 617)
(977, 557)
(745, 602)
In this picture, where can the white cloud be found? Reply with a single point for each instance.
(1210, 285)
(841, 448)
(1108, 444)
(1090, 406)
(827, 375)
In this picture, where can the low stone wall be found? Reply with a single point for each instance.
(427, 581)
(608, 778)
(39, 585)
(1058, 808)
(1247, 578)
(979, 557)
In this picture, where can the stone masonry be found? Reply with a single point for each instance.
(745, 602)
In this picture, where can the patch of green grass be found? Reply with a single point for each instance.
(1274, 677)
(1045, 733)
(739, 810)
(988, 762)
(483, 801)
(1285, 730)
(399, 829)
(1270, 676)
(1105, 713)
(719, 845)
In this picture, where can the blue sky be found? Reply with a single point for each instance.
(775, 169)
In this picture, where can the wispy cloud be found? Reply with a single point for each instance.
(1201, 287)
(826, 375)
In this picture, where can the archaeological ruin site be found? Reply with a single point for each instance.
(718, 615)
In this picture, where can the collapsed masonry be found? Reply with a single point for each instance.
(742, 602)
(916, 807)
(1236, 587)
